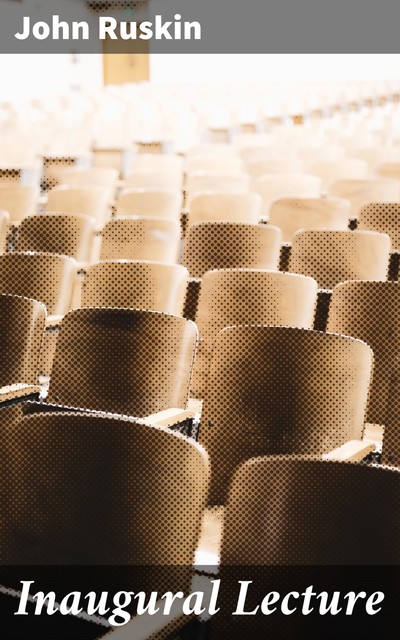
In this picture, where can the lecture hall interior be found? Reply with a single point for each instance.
(200, 335)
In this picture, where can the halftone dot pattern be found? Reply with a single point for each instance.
(383, 217)
(231, 297)
(155, 286)
(140, 239)
(280, 390)
(332, 257)
(370, 311)
(58, 234)
(224, 245)
(21, 333)
(10, 175)
(44, 277)
(88, 489)
(51, 170)
(293, 510)
(125, 361)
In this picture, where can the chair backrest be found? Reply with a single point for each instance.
(225, 207)
(216, 181)
(370, 311)
(342, 169)
(124, 361)
(332, 257)
(156, 286)
(150, 203)
(22, 324)
(362, 192)
(286, 185)
(92, 177)
(135, 238)
(68, 235)
(154, 180)
(281, 390)
(40, 276)
(383, 217)
(287, 511)
(290, 215)
(19, 200)
(232, 297)
(90, 201)
(227, 245)
(96, 490)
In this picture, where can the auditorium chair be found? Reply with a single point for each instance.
(20, 201)
(68, 235)
(216, 206)
(21, 335)
(384, 218)
(233, 297)
(150, 203)
(293, 214)
(332, 257)
(370, 311)
(283, 390)
(106, 177)
(90, 201)
(342, 169)
(125, 361)
(197, 183)
(135, 238)
(286, 185)
(298, 524)
(362, 192)
(112, 501)
(155, 286)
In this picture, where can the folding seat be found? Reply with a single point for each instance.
(21, 334)
(197, 183)
(293, 214)
(20, 201)
(370, 311)
(69, 235)
(156, 286)
(124, 361)
(133, 238)
(225, 207)
(232, 297)
(115, 500)
(89, 201)
(286, 185)
(106, 177)
(154, 180)
(298, 527)
(332, 257)
(282, 390)
(150, 203)
(342, 169)
(362, 192)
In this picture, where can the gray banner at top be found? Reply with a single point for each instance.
(200, 26)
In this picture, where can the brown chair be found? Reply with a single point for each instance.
(123, 361)
(232, 297)
(68, 235)
(19, 200)
(223, 245)
(89, 201)
(370, 311)
(42, 276)
(362, 192)
(280, 390)
(332, 257)
(216, 206)
(291, 215)
(22, 323)
(383, 217)
(149, 203)
(135, 238)
(155, 286)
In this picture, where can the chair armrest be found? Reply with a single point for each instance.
(351, 451)
(170, 417)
